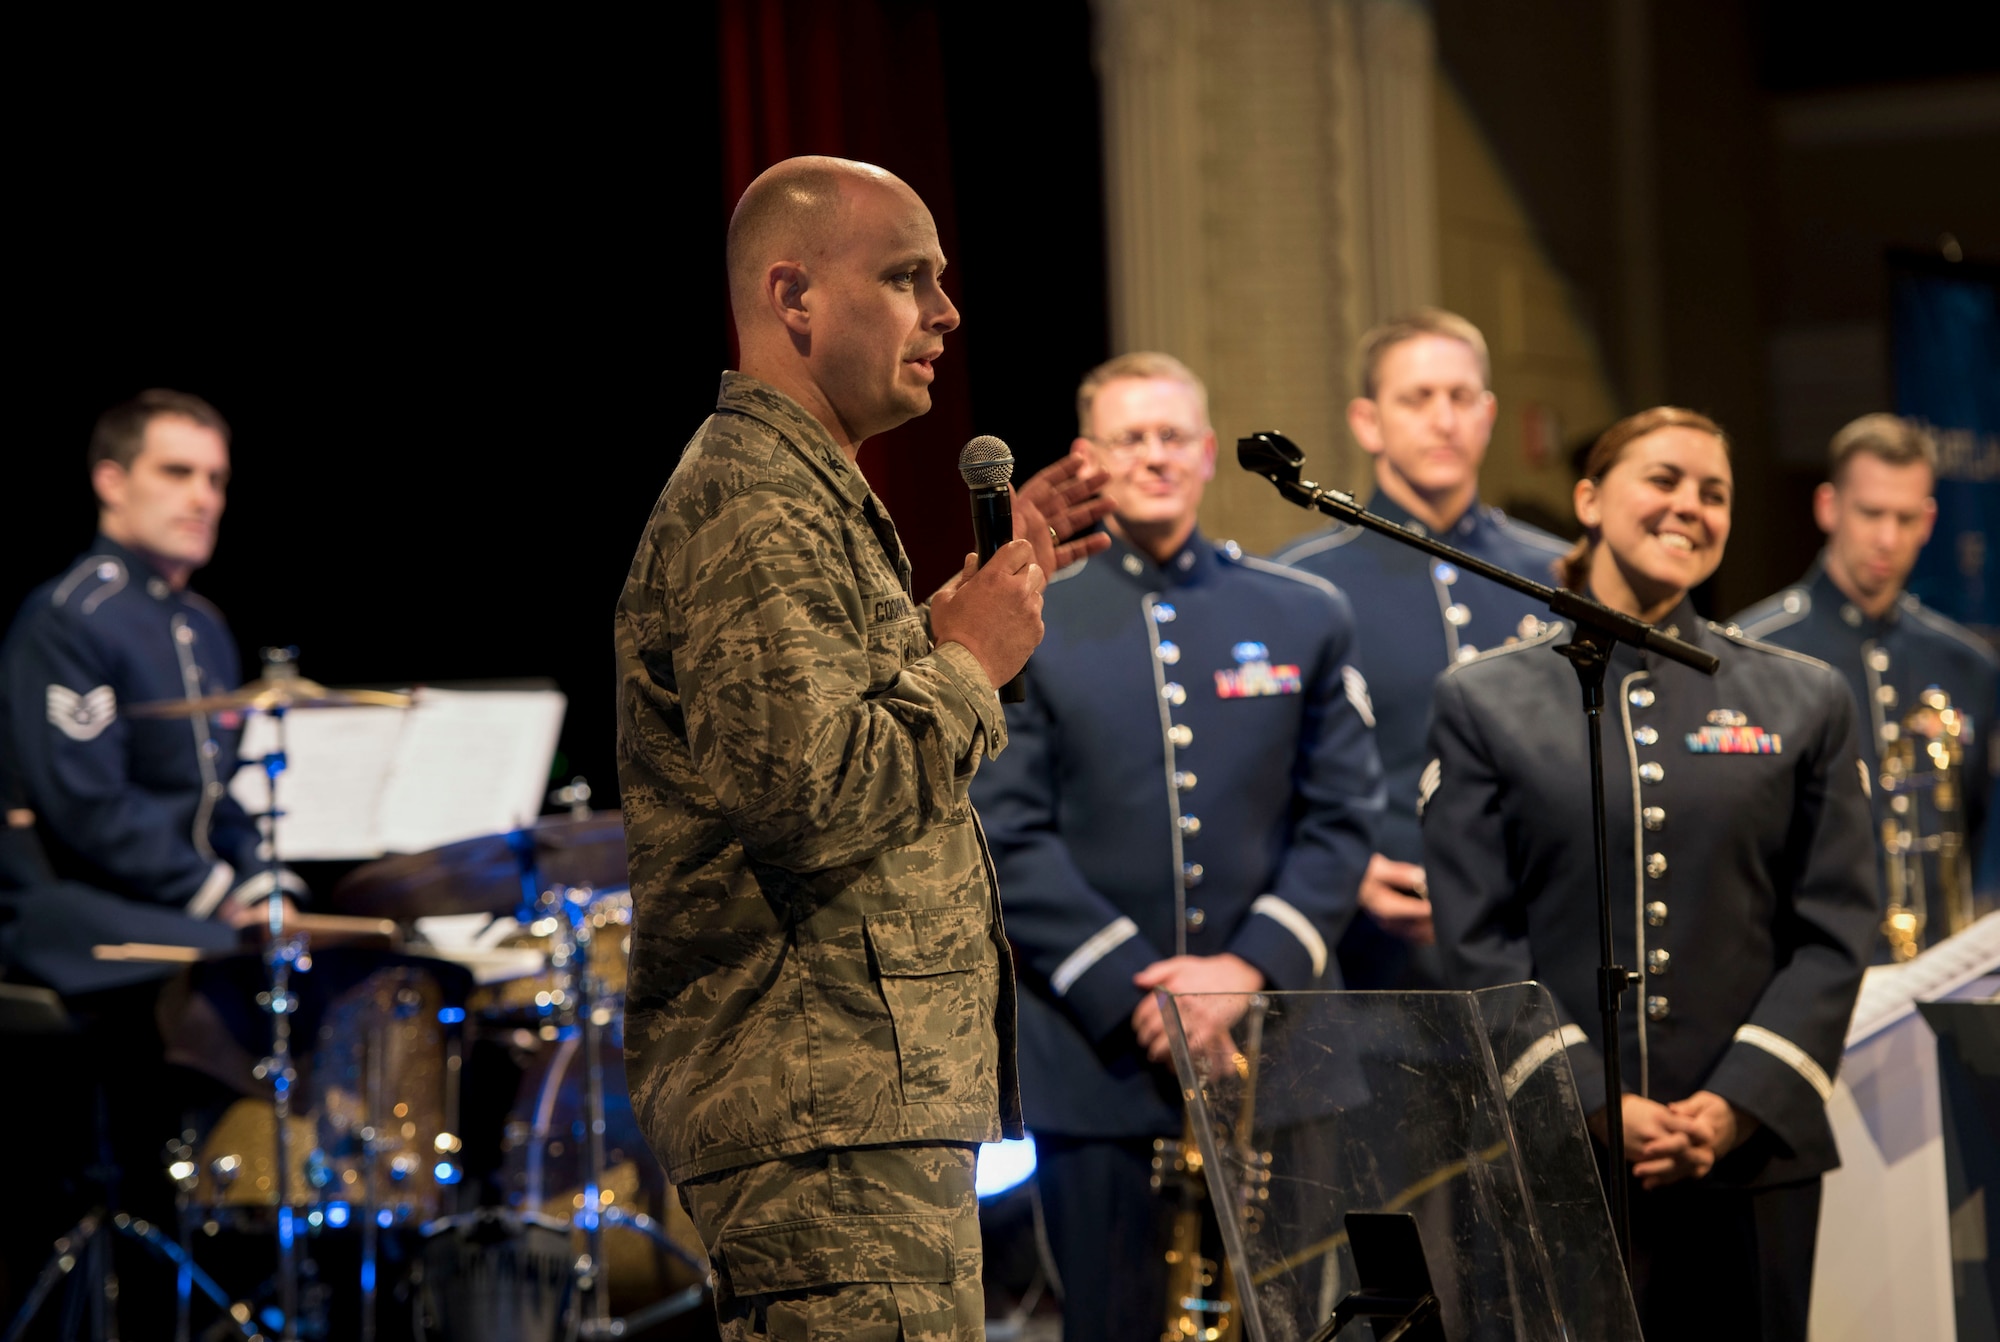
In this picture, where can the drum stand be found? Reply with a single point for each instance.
(285, 955)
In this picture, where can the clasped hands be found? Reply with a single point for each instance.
(1665, 1143)
(1206, 1021)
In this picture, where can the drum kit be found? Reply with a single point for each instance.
(337, 1203)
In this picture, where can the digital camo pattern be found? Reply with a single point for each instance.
(874, 1243)
(817, 957)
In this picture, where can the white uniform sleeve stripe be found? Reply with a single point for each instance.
(1427, 784)
(1078, 962)
(1539, 1052)
(1790, 1054)
(220, 877)
(1297, 924)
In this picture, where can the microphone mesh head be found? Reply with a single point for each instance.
(986, 463)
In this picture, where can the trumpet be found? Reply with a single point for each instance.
(1923, 761)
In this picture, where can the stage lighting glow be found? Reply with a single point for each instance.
(1003, 1166)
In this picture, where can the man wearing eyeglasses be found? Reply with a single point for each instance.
(1425, 415)
(1186, 805)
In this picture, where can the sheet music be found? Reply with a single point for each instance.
(1891, 992)
(361, 782)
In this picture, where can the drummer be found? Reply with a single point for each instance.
(139, 809)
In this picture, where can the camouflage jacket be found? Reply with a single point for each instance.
(817, 954)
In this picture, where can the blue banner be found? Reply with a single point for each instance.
(1947, 351)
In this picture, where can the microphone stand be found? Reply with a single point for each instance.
(1595, 628)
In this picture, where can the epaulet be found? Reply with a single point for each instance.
(1736, 635)
(204, 605)
(1550, 630)
(1947, 626)
(1279, 570)
(1341, 534)
(1781, 610)
(1555, 546)
(90, 583)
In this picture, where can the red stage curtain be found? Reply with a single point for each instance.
(864, 79)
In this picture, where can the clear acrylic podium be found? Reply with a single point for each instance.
(1457, 1108)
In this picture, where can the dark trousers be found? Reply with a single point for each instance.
(1108, 1234)
(1722, 1264)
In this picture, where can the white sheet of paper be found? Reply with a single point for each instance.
(361, 782)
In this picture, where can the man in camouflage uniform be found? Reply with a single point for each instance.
(820, 1024)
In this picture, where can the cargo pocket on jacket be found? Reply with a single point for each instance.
(928, 963)
(846, 1277)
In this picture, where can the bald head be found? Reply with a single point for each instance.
(834, 282)
(795, 211)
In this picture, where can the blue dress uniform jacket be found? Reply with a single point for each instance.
(1887, 664)
(1738, 849)
(1192, 773)
(133, 806)
(1417, 616)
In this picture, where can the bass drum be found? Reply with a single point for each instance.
(542, 1173)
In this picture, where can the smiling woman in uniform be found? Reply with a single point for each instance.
(1741, 884)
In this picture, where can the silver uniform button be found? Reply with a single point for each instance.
(1190, 874)
(1173, 693)
(1658, 961)
(1647, 736)
(1131, 564)
(1181, 735)
(1168, 653)
(1641, 697)
(1656, 913)
(157, 589)
(1656, 1008)
(1232, 549)
(1183, 781)
(106, 571)
(1654, 818)
(1467, 652)
(1851, 615)
(1162, 612)
(183, 633)
(1878, 659)
(1656, 865)
(1445, 573)
(210, 749)
(1195, 918)
(1886, 695)
(1457, 614)
(1793, 603)
(215, 789)
(1190, 825)
(1186, 561)
(1652, 772)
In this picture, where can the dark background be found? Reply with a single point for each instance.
(462, 299)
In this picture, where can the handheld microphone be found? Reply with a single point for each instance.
(988, 466)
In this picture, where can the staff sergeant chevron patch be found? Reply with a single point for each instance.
(82, 717)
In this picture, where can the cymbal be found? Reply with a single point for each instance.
(483, 875)
(268, 694)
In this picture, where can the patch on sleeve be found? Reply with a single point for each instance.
(82, 717)
(1357, 693)
(1427, 785)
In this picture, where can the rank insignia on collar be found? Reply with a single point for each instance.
(1255, 679)
(1735, 740)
